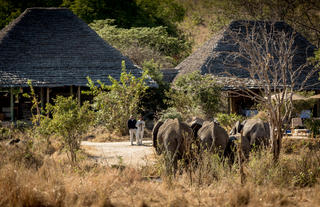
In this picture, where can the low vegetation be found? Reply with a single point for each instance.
(116, 102)
(195, 95)
(144, 43)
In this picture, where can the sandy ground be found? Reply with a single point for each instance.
(120, 153)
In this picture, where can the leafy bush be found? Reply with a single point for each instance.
(143, 43)
(170, 113)
(5, 133)
(196, 95)
(228, 120)
(115, 103)
(314, 126)
(69, 121)
(155, 98)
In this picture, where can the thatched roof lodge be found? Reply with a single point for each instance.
(53, 48)
(212, 57)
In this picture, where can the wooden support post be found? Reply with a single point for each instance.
(11, 105)
(318, 107)
(48, 95)
(79, 94)
(41, 98)
(229, 103)
(48, 98)
(71, 91)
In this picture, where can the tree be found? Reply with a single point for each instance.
(144, 43)
(301, 14)
(11, 9)
(115, 103)
(195, 94)
(69, 121)
(228, 120)
(155, 97)
(268, 54)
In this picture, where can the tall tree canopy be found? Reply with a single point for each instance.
(133, 13)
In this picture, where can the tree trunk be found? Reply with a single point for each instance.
(276, 138)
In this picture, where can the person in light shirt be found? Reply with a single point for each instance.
(140, 130)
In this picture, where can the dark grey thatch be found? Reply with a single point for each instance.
(53, 47)
(214, 56)
(169, 74)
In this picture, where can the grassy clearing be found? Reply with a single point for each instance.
(31, 177)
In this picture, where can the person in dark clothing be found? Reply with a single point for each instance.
(132, 129)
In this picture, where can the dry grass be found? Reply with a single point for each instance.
(49, 180)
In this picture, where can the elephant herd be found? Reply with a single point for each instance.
(177, 139)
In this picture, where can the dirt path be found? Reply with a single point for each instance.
(115, 153)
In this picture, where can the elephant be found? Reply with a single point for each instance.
(231, 149)
(174, 138)
(255, 132)
(154, 136)
(195, 125)
(213, 137)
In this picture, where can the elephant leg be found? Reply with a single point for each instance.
(245, 146)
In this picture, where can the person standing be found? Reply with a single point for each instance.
(140, 130)
(132, 129)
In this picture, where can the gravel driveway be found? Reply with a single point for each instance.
(115, 153)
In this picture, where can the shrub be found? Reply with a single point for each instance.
(194, 94)
(314, 126)
(228, 120)
(143, 43)
(69, 121)
(5, 133)
(115, 103)
(170, 113)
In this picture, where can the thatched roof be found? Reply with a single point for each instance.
(213, 55)
(169, 74)
(53, 47)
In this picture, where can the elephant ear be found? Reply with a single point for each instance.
(155, 133)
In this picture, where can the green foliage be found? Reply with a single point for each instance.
(195, 94)
(143, 43)
(35, 103)
(302, 15)
(5, 133)
(153, 69)
(69, 121)
(162, 12)
(170, 113)
(155, 97)
(313, 125)
(11, 9)
(228, 120)
(129, 13)
(117, 102)
(316, 59)
(301, 105)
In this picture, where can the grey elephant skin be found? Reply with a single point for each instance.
(213, 137)
(173, 138)
(255, 132)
